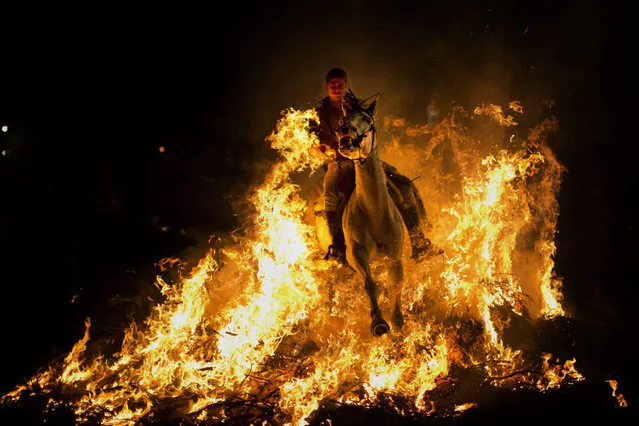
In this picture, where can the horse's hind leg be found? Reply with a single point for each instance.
(358, 258)
(396, 272)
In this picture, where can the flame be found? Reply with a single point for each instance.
(463, 407)
(265, 324)
(72, 371)
(394, 121)
(496, 113)
(554, 376)
(618, 396)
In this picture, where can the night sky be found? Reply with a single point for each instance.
(92, 97)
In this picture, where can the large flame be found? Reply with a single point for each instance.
(265, 327)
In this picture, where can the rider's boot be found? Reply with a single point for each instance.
(423, 248)
(337, 249)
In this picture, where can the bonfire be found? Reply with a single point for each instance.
(264, 330)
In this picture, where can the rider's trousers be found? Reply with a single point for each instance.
(339, 182)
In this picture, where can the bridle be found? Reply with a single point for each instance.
(357, 141)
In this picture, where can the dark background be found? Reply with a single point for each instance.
(90, 96)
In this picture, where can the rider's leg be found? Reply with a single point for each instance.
(420, 244)
(337, 186)
(413, 213)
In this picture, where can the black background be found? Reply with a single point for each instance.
(89, 96)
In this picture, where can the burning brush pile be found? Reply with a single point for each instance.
(264, 331)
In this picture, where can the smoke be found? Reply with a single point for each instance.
(408, 55)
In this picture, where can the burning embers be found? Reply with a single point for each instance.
(266, 329)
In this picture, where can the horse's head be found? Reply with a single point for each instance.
(357, 135)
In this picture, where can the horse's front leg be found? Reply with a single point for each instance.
(358, 257)
(396, 272)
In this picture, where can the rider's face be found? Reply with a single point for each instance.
(336, 88)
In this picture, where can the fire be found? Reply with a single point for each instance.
(496, 113)
(463, 407)
(265, 324)
(618, 396)
(554, 376)
(391, 121)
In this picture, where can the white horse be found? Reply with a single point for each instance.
(371, 221)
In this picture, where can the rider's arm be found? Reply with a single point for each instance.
(323, 132)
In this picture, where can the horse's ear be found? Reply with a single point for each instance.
(353, 102)
(372, 108)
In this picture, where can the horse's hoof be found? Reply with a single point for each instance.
(379, 327)
(398, 319)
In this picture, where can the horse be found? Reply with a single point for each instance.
(371, 221)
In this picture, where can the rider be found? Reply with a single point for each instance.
(339, 180)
